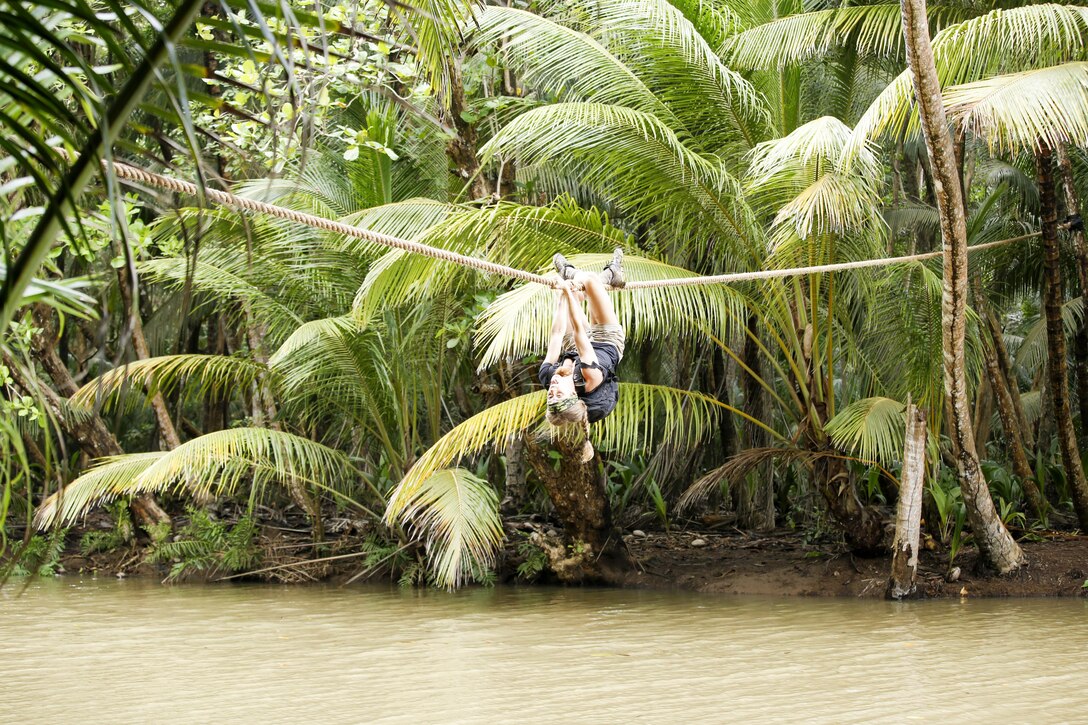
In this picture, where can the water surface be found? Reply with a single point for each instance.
(91, 651)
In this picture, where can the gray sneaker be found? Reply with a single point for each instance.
(565, 269)
(612, 275)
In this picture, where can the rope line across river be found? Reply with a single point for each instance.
(138, 175)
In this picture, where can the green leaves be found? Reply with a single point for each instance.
(1021, 110)
(1000, 42)
(207, 374)
(636, 162)
(456, 513)
(873, 428)
(213, 464)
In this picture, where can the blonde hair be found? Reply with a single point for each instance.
(571, 413)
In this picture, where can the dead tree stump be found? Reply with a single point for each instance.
(909, 513)
(590, 550)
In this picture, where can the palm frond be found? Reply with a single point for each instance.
(226, 284)
(1002, 41)
(633, 161)
(1022, 110)
(736, 468)
(1032, 352)
(210, 374)
(569, 64)
(869, 30)
(308, 332)
(524, 237)
(719, 111)
(106, 480)
(872, 428)
(218, 463)
(457, 514)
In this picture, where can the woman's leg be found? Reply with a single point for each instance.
(601, 311)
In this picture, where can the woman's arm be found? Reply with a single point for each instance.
(560, 323)
(580, 327)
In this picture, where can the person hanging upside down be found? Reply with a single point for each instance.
(581, 379)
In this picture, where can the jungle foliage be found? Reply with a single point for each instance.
(166, 351)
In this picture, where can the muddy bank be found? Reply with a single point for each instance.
(780, 563)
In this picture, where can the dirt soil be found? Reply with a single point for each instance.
(730, 561)
(781, 563)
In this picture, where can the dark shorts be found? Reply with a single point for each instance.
(604, 397)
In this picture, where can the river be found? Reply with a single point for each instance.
(89, 651)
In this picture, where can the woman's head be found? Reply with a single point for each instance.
(566, 410)
(569, 411)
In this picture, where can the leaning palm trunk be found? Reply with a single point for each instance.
(1006, 405)
(1053, 297)
(1080, 245)
(995, 544)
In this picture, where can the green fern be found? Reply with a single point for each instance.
(210, 546)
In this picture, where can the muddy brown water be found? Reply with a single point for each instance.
(89, 651)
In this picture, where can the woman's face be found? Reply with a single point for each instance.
(562, 383)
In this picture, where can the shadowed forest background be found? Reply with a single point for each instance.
(185, 385)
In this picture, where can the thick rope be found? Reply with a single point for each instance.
(132, 173)
(771, 273)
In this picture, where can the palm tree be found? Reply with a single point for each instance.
(1039, 110)
(624, 138)
(994, 541)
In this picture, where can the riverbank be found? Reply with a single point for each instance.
(780, 563)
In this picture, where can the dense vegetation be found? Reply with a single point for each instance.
(176, 354)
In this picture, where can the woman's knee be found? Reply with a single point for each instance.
(589, 282)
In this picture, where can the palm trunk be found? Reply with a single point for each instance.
(1080, 340)
(1053, 297)
(127, 283)
(1006, 408)
(995, 544)
(516, 492)
(461, 149)
(754, 504)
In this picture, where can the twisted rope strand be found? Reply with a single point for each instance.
(132, 173)
(771, 273)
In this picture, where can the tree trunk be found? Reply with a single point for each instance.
(1012, 384)
(754, 503)
(862, 525)
(516, 493)
(1006, 408)
(1053, 297)
(127, 283)
(461, 149)
(591, 551)
(984, 410)
(909, 510)
(996, 546)
(1080, 340)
